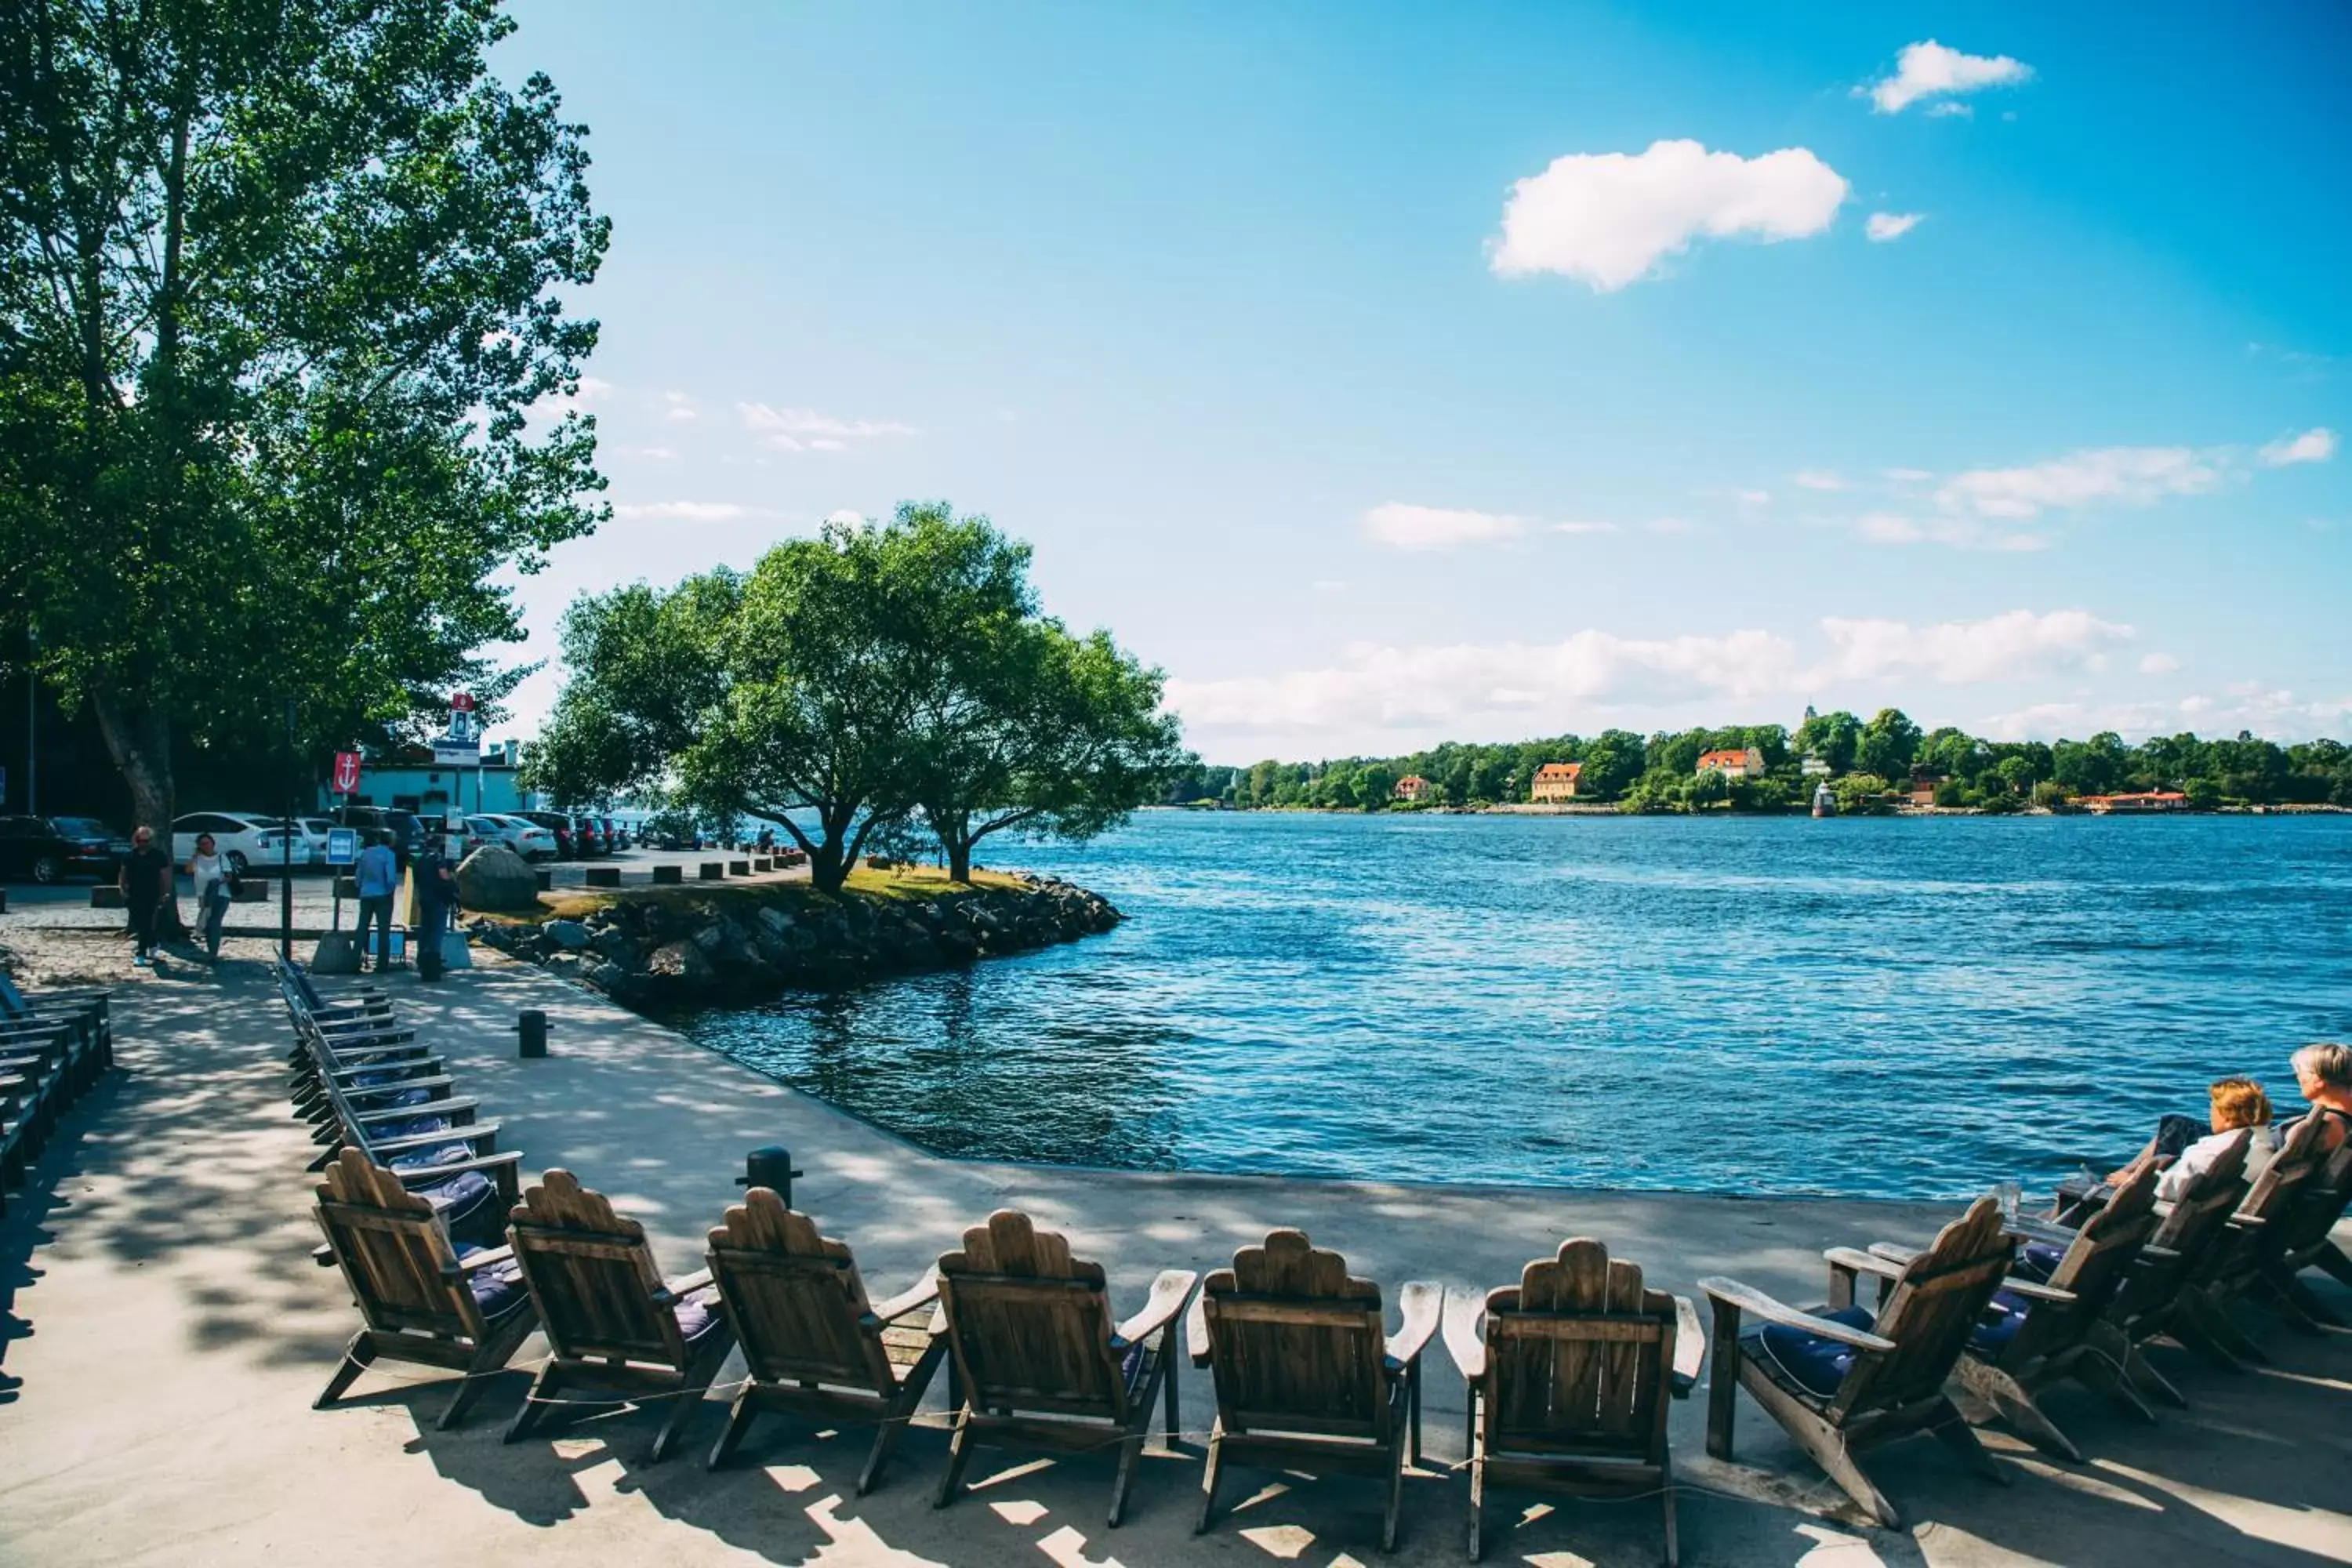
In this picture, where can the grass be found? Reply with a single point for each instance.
(910, 884)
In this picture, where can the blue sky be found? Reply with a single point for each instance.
(1388, 374)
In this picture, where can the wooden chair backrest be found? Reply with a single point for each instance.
(2094, 1268)
(592, 1274)
(1577, 1357)
(2283, 1181)
(2213, 1195)
(1294, 1344)
(1029, 1326)
(1929, 1313)
(393, 1252)
(798, 1306)
(2324, 1196)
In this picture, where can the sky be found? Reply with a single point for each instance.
(1388, 374)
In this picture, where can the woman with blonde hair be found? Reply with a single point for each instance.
(2238, 1104)
(2323, 1072)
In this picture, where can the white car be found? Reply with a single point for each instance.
(245, 839)
(527, 839)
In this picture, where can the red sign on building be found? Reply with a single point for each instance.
(347, 773)
(462, 702)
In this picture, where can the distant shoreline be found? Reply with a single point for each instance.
(1600, 809)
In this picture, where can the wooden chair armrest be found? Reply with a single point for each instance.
(1171, 1293)
(1465, 1340)
(2247, 1221)
(921, 1294)
(2154, 1253)
(2034, 1291)
(1422, 1305)
(486, 1258)
(1894, 1253)
(673, 1292)
(1873, 1263)
(500, 1168)
(430, 1108)
(1196, 1331)
(468, 1134)
(1690, 1347)
(1747, 1298)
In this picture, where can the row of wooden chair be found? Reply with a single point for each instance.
(55, 1045)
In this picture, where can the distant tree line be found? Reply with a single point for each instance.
(1867, 760)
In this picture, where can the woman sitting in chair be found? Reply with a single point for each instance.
(2236, 1102)
(2323, 1073)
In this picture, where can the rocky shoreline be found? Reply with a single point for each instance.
(658, 951)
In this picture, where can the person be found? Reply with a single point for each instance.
(437, 895)
(2323, 1072)
(376, 878)
(209, 873)
(2236, 1103)
(145, 879)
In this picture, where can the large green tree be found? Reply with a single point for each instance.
(279, 283)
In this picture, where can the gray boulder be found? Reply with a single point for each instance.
(569, 935)
(679, 960)
(495, 878)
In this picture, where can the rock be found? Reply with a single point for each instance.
(680, 961)
(615, 944)
(565, 966)
(495, 878)
(776, 919)
(609, 978)
(711, 938)
(569, 935)
(335, 954)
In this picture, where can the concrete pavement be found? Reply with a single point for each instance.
(156, 1408)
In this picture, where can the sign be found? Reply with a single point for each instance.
(453, 749)
(462, 703)
(347, 773)
(342, 846)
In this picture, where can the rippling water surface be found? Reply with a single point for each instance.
(1897, 1007)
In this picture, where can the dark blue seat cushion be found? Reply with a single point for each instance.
(388, 1098)
(2003, 1317)
(437, 1154)
(413, 1127)
(2039, 1261)
(467, 1205)
(698, 1314)
(498, 1288)
(1814, 1364)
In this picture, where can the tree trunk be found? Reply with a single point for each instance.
(139, 738)
(828, 866)
(958, 859)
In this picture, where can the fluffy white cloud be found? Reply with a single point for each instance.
(2131, 476)
(2157, 664)
(2310, 447)
(1961, 533)
(685, 510)
(1753, 498)
(1884, 226)
(1585, 528)
(2000, 647)
(806, 430)
(1405, 527)
(1608, 218)
(1817, 479)
(677, 407)
(1928, 69)
(2273, 712)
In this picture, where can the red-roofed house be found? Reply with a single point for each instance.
(1556, 781)
(2150, 799)
(1412, 787)
(1748, 764)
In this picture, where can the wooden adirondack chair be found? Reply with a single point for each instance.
(815, 1344)
(2151, 1299)
(1303, 1373)
(1840, 1378)
(421, 1300)
(2040, 1330)
(2234, 1264)
(1038, 1356)
(612, 1320)
(2307, 1239)
(1571, 1375)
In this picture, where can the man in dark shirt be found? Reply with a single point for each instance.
(146, 883)
(437, 895)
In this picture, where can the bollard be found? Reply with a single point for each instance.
(663, 874)
(602, 875)
(739, 867)
(761, 865)
(771, 1167)
(3, 900)
(713, 870)
(546, 880)
(531, 1025)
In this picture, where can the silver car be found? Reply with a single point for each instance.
(527, 839)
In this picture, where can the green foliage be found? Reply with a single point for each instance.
(278, 282)
(1861, 795)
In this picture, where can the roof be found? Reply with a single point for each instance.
(1734, 758)
(1411, 779)
(1559, 770)
(2152, 795)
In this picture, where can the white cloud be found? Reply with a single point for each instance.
(845, 517)
(2157, 664)
(1953, 109)
(1586, 527)
(806, 430)
(2000, 647)
(1908, 476)
(1960, 533)
(1884, 226)
(1405, 527)
(678, 408)
(2273, 712)
(685, 511)
(2312, 446)
(593, 389)
(1669, 525)
(657, 454)
(1928, 69)
(1817, 479)
(1753, 498)
(2130, 476)
(1890, 528)
(1608, 219)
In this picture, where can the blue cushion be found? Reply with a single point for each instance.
(2039, 1261)
(435, 1154)
(2002, 1319)
(1814, 1364)
(498, 1290)
(698, 1314)
(467, 1205)
(375, 1080)
(386, 1100)
(415, 1127)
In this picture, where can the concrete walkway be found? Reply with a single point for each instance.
(172, 1332)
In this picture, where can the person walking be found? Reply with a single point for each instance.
(210, 874)
(437, 895)
(145, 879)
(377, 878)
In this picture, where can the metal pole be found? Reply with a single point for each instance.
(285, 850)
(32, 729)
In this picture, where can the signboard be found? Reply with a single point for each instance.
(462, 703)
(347, 773)
(342, 846)
(451, 751)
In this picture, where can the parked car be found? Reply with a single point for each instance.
(405, 828)
(527, 839)
(625, 836)
(613, 835)
(99, 850)
(588, 832)
(556, 822)
(245, 839)
(34, 847)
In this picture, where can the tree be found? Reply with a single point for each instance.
(1832, 737)
(277, 289)
(1890, 743)
(1611, 762)
(1375, 785)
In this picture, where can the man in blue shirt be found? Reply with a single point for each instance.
(377, 876)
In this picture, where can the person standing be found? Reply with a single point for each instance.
(146, 883)
(437, 895)
(377, 878)
(206, 870)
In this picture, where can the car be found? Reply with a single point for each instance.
(32, 846)
(588, 832)
(99, 850)
(624, 835)
(246, 840)
(527, 839)
(556, 822)
(613, 835)
(406, 829)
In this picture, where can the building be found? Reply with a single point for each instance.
(441, 789)
(1411, 788)
(2149, 800)
(1556, 781)
(1747, 763)
(1816, 767)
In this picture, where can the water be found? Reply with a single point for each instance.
(1913, 1007)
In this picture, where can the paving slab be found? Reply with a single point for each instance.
(169, 1332)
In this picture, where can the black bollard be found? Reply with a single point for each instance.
(531, 1026)
(771, 1167)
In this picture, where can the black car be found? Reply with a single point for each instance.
(556, 822)
(48, 848)
(404, 828)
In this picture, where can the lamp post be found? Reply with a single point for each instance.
(286, 850)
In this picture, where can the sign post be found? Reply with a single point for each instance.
(342, 852)
(461, 746)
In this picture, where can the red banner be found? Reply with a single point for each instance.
(347, 773)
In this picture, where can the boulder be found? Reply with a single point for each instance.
(495, 878)
(569, 935)
(335, 954)
(679, 960)
(776, 919)
(565, 966)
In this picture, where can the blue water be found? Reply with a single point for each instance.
(1908, 1007)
